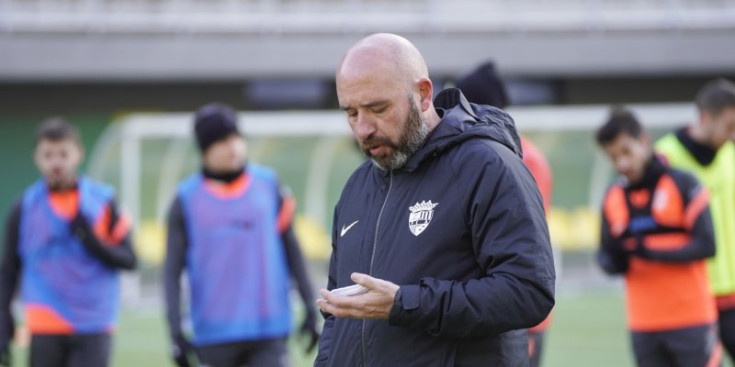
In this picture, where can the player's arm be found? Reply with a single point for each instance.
(174, 265)
(175, 262)
(511, 242)
(294, 256)
(297, 266)
(612, 257)
(698, 222)
(108, 239)
(541, 172)
(10, 268)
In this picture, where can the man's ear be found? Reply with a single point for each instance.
(82, 154)
(645, 138)
(36, 157)
(704, 117)
(245, 149)
(426, 93)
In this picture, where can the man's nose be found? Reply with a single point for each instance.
(364, 127)
(57, 162)
(623, 164)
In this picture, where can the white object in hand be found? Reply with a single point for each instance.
(352, 290)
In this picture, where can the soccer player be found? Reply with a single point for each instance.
(657, 232)
(484, 86)
(230, 227)
(706, 150)
(443, 228)
(65, 242)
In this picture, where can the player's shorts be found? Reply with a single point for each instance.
(697, 346)
(85, 350)
(727, 330)
(535, 347)
(257, 353)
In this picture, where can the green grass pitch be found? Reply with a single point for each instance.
(588, 329)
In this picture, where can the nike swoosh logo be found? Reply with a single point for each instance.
(345, 229)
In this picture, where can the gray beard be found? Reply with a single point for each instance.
(414, 134)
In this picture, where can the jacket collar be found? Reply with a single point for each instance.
(462, 121)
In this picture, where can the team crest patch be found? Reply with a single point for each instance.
(420, 217)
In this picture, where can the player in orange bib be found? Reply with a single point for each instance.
(657, 232)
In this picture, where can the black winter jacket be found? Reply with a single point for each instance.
(461, 229)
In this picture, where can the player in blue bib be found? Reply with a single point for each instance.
(65, 242)
(230, 229)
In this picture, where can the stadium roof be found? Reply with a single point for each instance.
(229, 39)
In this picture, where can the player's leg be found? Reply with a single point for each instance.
(694, 346)
(649, 350)
(220, 355)
(269, 353)
(90, 350)
(727, 331)
(535, 347)
(49, 351)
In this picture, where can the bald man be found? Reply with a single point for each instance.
(442, 230)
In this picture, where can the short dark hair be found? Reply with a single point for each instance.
(57, 128)
(621, 120)
(716, 95)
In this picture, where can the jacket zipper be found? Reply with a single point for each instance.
(372, 257)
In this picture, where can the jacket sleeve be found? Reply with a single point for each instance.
(325, 341)
(698, 222)
(10, 268)
(176, 245)
(294, 257)
(505, 219)
(297, 266)
(611, 256)
(108, 239)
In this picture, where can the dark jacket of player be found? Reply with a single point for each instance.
(461, 229)
(658, 233)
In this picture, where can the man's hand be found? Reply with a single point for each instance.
(180, 351)
(636, 246)
(80, 227)
(375, 304)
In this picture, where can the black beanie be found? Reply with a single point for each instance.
(484, 86)
(214, 122)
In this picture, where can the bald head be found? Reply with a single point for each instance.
(384, 53)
